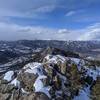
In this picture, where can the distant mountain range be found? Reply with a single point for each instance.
(16, 53)
(28, 46)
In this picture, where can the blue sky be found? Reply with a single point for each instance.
(40, 19)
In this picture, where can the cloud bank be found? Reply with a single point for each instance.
(17, 32)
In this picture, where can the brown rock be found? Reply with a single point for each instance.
(96, 90)
(4, 96)
(15, 95)
(27, 80)
(57, 82)
(6, 88)
(35, 96)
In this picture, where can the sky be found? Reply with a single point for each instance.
(50, 19)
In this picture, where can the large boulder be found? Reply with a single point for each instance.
(27, 80)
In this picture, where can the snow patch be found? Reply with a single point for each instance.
(23, 91)
(94, 73)
(8, 76)
(39, 86)
(37, 68)
(34, 67)
(55, 58)
(16, 83)
(83, 95)
(76, 60)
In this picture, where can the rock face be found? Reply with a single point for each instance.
(55, 77)
(96, 90)
(56, 51)
(27, 80)
(36, 96)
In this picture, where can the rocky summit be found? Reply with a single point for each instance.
(52, 74)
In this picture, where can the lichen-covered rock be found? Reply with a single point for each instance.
(95, 94)
(5, 96)
(35, 96)
(59, 69)
(16, 94)
(57, 62)
(57, 82)
(49, 70)
(27, 80)
(6, 88)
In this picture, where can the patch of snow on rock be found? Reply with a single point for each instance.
(16, 82)
(39, 86)
(83, 95)
(94, 73)
(55, 58)
(76, 60)
(23, 91)
(8, 76)
(34, 67)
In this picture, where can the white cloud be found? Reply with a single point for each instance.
(91, 32)
(63, 31)
(44, 9)
(10, 31)
(26, 8)
(70, 13)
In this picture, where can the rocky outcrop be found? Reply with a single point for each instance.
(35, 96)
(56, 51)
(96, 90)
(55, 77)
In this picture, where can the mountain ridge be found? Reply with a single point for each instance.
(52, 75)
